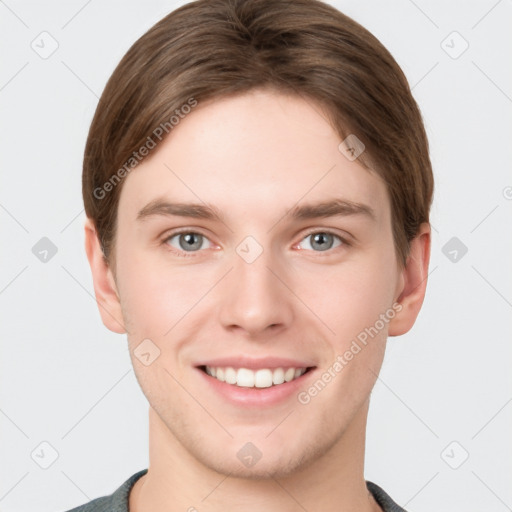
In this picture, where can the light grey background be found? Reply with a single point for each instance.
(67, 381)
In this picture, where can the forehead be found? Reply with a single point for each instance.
(252, 154)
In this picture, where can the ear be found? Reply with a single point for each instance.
(105, 287)
(412, 283)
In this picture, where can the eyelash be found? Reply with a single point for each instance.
(185, 254)
(181, 254)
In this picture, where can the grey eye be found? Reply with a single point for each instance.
(189, 242)
(322, 241)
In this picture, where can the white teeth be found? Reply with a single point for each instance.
(245, 378)
(230, 375)
(289, 374)
(262, 378)
(278, 376)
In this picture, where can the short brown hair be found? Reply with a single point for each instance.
(213, 48)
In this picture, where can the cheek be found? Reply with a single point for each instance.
(352, 297)
(156, 296)
(156, 300)
(357, 306)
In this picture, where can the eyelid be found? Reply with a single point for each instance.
(178, 231)
(345, 239)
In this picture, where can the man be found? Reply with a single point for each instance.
(257, 185)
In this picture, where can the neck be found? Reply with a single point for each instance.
(177, 481)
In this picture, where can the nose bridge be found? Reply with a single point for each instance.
(255, 298)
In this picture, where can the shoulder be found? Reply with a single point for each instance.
(115, 502)
(383, 499)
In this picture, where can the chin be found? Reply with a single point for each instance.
(261, 470)
(269, 460)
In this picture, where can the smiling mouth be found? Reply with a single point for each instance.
(261, 378)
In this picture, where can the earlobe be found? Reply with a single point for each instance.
(105, 289)
(413, 283)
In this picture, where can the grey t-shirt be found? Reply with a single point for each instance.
(118, 501)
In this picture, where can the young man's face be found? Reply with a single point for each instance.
(262, 288)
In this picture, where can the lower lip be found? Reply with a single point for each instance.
(256, 397)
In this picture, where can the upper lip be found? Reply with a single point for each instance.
(255, 363)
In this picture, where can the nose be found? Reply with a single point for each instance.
(255, 301)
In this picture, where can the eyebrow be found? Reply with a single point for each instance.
(195, 210)
(330, 208)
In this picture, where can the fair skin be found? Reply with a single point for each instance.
(255, 158)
